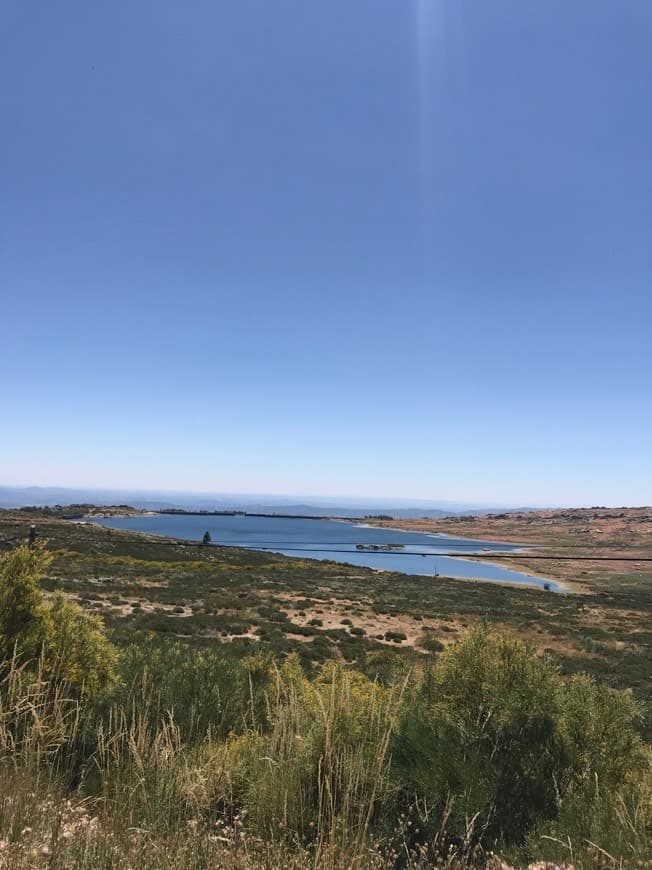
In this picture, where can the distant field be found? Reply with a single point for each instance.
(322, 610)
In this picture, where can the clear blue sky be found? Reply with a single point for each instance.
(395, 248)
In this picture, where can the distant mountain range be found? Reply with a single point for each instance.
(41, 496)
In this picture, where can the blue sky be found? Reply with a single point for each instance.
(395, 249)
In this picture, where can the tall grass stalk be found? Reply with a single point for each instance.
(39, 720)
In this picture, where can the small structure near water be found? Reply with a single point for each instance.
(380, 547)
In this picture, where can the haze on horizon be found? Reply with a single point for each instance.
(394, 250)
(211, 499)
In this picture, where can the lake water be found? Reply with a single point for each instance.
(328, 539)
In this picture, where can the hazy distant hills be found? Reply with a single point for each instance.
(40, 496)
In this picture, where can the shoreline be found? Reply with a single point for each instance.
(530, 581)
(436, 534)
(561, 586)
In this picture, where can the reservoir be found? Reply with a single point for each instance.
(350, 543)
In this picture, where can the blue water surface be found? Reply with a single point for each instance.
(308, 538)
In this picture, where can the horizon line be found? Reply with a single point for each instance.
(406, 501)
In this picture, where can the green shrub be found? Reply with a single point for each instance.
(498, 731)
(320, 764)
(430, 643)
(76, 649)
(395, 636)
(71, 644)
(22, 605)
(204, 691)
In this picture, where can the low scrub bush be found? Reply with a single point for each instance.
(194, 757)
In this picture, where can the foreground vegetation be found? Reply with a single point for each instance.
(184, 753)
(145, 587)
